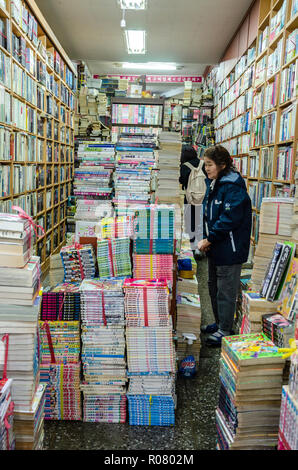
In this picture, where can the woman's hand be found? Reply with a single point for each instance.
(204, 245)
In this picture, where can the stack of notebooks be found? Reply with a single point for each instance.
(29, 425)
(168, 190)
(150, 352)
(275, 226)
(61, 303)
(103, 351)
(154, 230)
(16, 241)
(62, 396)
(116, 227)
(113, 258)
(251, 372)
(288, 424)
(188, 321)
(7, 435)
(153, 267)
(79, 262)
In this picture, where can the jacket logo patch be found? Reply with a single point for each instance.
(217, 202)
(227, 206)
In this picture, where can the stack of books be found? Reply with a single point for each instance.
(56, 274)
(103, 351)
(251, 370)
(79, 262)
(97, 153)
(19, 307)
(16, 240)
(275, 226)
(278, 329)
(154, 230)
(188, 321)
(113, 258)
(65, 336)
(168, 190)
(62, 396)
(153, 267)
(253, 308)
(29, 425)
(7, 435)
(61, 303)
(94, 209)
(288, 424)
(150, 352)
(116, 227)
(92, 181)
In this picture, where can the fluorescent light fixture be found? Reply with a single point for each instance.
(135, 41)
(133, 4)
(149, 66)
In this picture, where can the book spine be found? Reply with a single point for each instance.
(270, 269)
(279, 271)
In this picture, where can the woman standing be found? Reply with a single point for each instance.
(227, 229)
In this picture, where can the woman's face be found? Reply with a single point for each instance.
(212, 169)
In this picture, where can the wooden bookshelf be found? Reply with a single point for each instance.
(43, 88)
(269, 96)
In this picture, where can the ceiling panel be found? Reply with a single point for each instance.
(188, 32)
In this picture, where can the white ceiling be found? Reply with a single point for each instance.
(192, 33)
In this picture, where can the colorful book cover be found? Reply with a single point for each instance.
(289, 291)
(251, 349)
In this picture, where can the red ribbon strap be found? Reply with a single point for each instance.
(111, 256)
(46, 326)
(145, 306)
(5, 339)
(103, 308)
(24, 215)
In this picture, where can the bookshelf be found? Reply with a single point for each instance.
(264, 151)
(37, 102)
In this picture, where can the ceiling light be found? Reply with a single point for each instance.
(149, 66)
(135, 41)
(133, 4)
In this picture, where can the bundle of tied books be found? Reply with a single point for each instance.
(16, 240)
(188, 321)
(251, 370)
(56, 273)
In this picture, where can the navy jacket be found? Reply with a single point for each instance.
(227, 219)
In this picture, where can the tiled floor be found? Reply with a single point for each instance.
(195, 414)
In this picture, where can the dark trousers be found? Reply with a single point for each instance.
(223, 283)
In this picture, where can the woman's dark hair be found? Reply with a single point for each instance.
(188, 153)
(220, 156)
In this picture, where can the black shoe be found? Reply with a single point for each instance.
(209, 328)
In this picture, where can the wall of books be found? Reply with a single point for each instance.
(256, 105)
(37, 85)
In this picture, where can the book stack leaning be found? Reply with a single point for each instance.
(19, 309)
(251, 375)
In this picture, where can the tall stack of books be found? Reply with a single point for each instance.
(79, 262)
(150, 353)
(7, 435)
(188, 321)
(275, 226)
(19, 307)
(169, 167)
(251, 372)
(103, 352)
(288, 424)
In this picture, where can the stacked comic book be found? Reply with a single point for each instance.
(251, 374)
(103, 351)
(7, 436)
(150, 352)
(288, 424)
(79, 262)
(113, 258)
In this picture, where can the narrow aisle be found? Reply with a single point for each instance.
(195, 414)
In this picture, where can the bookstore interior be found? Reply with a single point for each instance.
(104, 290)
